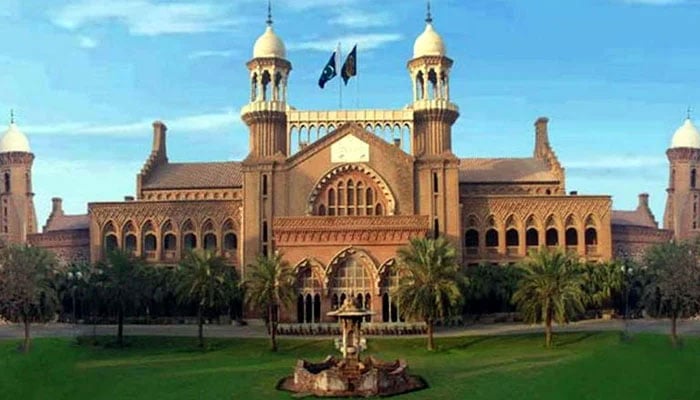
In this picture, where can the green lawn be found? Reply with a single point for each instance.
(581, 366)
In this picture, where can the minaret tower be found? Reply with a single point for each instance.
(682, 214)
(437, 169)
(266, 117)
(18, 217)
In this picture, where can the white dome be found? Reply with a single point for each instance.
(428, 43)
(14, 140)
(686, 136)
(269, 45)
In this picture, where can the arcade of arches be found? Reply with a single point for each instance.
(352, 274)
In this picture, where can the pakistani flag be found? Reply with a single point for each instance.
(349, 66)
(329, 72)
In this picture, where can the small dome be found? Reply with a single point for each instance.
(686, 136)
(14, 140)
(428, 43)
(269, 45)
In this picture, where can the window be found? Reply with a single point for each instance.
(210, 242)
(591, 237)
(111, 242)
(190, 241)
(532, 237)
(130, 242)
(264, 185)
(571, 237)
(693, 176)
(471, 238)
(512, 237)
(149, 242)
(7, 182)
(435, 182)
(169, 242)
(349, 195)
(552, 237)
(491, 238)
(230, 241)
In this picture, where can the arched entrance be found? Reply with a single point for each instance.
(353, 274)
(309, 288)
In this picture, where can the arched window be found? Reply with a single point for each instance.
(390, 308)
(189, 241)
(420, 86)
(379, 210)
(591, 236)
(265, 81)
(532, 237)
(351, 197)
(693, 176)
(149, 242)
(512, 237)
(169, 242)
(552, 237)
(111, 242)
(230, 241)
(491, 238)
(471, 238)
(130, 242)
(210, 241)
(571, 237)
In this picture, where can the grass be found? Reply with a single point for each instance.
(580, 366)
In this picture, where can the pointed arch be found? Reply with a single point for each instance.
(337, 173)
(352, 269)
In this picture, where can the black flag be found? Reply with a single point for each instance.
(329, 72)
(349, 66)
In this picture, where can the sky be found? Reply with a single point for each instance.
(87, 77)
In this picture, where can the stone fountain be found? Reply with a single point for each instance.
(351, 375)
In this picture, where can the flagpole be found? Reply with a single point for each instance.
(340, 81)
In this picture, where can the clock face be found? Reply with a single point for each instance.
(349, 149)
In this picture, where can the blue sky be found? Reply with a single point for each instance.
(87, 77)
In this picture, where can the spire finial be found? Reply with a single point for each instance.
(428, 15)
(12, 116)
(269, 13)
(688, 112)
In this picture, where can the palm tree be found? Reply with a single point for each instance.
(26, 291)
(206, 280)
(269, 286)
(602, 281)
(551, 289)
(429, 281)
(122, 283)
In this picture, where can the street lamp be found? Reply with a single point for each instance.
(74, 278)
(627, 272)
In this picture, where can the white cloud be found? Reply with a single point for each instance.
(210, 53)
(360, 19)
(367, 41)
(87, 42)
(301, 5)
(193, 123)
(146, 17)
(616, 162)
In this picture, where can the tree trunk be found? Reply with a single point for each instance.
(674, 332)
(431, 342)
(200, 322)
(548, 329)
(273, 329)
(120, 326)
(27, 340)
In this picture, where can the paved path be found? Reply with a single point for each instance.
(254, 330)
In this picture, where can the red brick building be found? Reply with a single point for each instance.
(337, 192)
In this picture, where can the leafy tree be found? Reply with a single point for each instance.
(429, 281)
(490, 288)
(269, 285)
(206, 280)
(602, 282)
(673, 287)
(26, 291)
(122, 284)
(551, 289)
